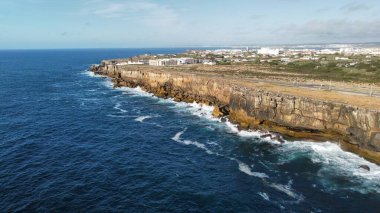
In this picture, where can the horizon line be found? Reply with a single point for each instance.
(196, 46)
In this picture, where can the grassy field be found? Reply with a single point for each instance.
(357, 69)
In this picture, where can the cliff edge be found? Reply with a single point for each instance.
(255, 106)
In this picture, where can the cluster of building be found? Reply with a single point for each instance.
(167, 62)
(220, 52)
(246, 55)
(343, 51)
(360, 51)
(172, 61)
(268, 51)
(292, 55)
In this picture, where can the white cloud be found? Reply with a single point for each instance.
(144, 12)
(354, 6)
(334, 30)
(152, 22)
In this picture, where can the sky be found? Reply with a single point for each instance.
(47, 24)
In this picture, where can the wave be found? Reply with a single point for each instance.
(243, 167)
(200, 110)
(333, 159)
(108, 83)
(335, 162)
(142, 118)
(91, 74)
(247, 170)
(177, 138)
(117, 107)
(264, 195)
(137, 91)
(118, 116)
(287, 189)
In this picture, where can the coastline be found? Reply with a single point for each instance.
(293, 117)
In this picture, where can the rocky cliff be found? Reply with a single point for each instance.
(356, 129)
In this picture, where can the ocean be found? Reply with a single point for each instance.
(70, 142)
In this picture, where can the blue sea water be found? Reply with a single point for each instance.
(69, 142)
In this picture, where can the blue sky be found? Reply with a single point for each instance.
(175, 23)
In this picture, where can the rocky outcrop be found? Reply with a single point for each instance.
(356, 129)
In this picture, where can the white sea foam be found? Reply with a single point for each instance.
(336, 162)
(177, 138)
(108, 83)
(233, 128)
(264, 195)
(333, 159)
(118, 116)
(118, 107)
(90, 99)
(247, 170)
(242, 166)
(137, 91)
(91, 74)
(142, 118)
(200, 110)
(287, 189)
(213, 143)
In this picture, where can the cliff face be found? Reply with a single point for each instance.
(357, 129)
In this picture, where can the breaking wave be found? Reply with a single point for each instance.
(118, 107)
(247, 170)
(243, 167)
(137, 91)
(91, 74)
(177, 138)
(264, 195)
(335, 163)
(333, 159)
(287, 189)
(142, 118)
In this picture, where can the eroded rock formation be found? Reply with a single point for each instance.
(356, 129)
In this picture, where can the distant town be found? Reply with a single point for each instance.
(346, 56)
(340, 63)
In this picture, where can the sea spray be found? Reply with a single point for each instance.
(367, 183)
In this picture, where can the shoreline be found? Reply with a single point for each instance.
(271, 112)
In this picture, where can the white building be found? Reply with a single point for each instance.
(286, 60)
(163, 62)
(268, 51)
(172, 61)
(328, 52)
(122, 64)
(186, 61)
(211, 63)
(135, 63)
(309, 58)
(341, 59)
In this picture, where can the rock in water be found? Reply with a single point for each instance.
(266, 136)
(365, 167)
(216, 112)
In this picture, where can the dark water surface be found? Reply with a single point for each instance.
(71, 143)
